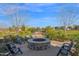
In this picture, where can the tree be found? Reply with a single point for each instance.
(68, 17)
(10, 29)
(23, 28)
(76, 27)
(18, 20)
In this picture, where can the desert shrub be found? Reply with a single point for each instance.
(76, 52)
(77, 49)
(50, 33)
(25, 33)
(1, 40)
(7, 38)
(3, 49)
(61, 35)
(74, 35)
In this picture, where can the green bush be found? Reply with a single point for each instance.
(60, 35)
(3, 49)
(50, 33)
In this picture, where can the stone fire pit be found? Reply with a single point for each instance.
(38, 43)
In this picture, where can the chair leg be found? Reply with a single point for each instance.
(20, 50)
(59, 52)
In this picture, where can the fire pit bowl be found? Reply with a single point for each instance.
(38, 43)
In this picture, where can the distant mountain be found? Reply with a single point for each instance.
(3, 25)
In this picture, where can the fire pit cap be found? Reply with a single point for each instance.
(38, 40)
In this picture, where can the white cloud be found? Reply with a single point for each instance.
(8, 9)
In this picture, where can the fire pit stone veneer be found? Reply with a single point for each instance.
(38, 43)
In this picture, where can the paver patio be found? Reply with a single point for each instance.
(52, 51)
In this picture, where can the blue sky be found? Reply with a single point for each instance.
(35, 14)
